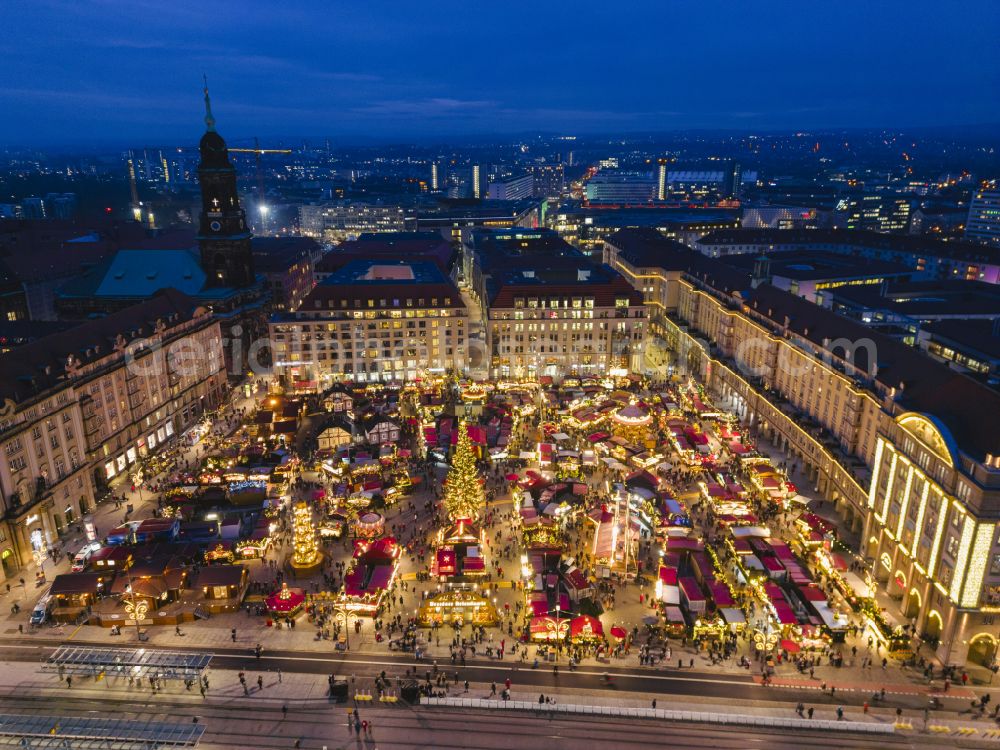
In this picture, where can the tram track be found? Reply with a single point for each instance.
(241, 726)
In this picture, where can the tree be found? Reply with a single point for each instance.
(304, 548)
(463, 492)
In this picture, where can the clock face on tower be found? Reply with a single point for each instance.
(216, 226)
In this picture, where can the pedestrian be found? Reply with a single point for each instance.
(654, 702)
(69, 681)
(260, 682)
(840, 713)
(233, 634)
(810, 712)
(279, 676)
(284, 710)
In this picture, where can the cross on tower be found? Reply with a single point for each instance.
(215, 202)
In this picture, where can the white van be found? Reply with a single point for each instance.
(81, 558)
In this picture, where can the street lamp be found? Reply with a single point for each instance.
(135, 607)
(342, 616)
(558, 628)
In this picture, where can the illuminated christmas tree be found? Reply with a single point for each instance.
(304, 550)
(463, 492)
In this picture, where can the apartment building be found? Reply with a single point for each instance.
(550, 311)
(383, 320)
(903, 445)
(90, 403)
(560, 320)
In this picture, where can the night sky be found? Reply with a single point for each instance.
(108, 71)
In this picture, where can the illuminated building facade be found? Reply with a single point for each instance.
(983, 224)
(372, 321)
(90, 403)
(896, 440)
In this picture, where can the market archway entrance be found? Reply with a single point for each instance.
(983, 649)
(897, 586)
(872, 547)
(913, 602)
(933, 626)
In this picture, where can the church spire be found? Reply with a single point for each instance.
(209, 120)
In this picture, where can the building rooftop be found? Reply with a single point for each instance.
(648, 248)
(497, 248)
(456, 210)
(809, 264)
(386, 271)
(429, 246)
(378, 283)
(275, 254)
(139, 273)
(902, 243)
(976, 334)
(556, 276)
(925, 299)
(40, 365)
(653, 216)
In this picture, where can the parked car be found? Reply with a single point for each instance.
(40, 614)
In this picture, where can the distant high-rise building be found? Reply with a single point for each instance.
(33, 208)
(661, 180)
(60, 205)
(513, 188)
(434, 176)
(347, 220)
(983, 223)
(875, 211)
(735, 180)
(476, 183)
(610, 186)
(549, 180)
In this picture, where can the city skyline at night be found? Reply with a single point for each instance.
(107, 72)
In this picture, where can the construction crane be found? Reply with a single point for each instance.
(257, 150)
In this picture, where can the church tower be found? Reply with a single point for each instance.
(223, 236)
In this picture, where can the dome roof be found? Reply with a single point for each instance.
(632, 414)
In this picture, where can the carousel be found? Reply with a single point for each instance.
(632, 422)
(369, 525)
(286, 602)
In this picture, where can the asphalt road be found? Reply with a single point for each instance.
(655, 682)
